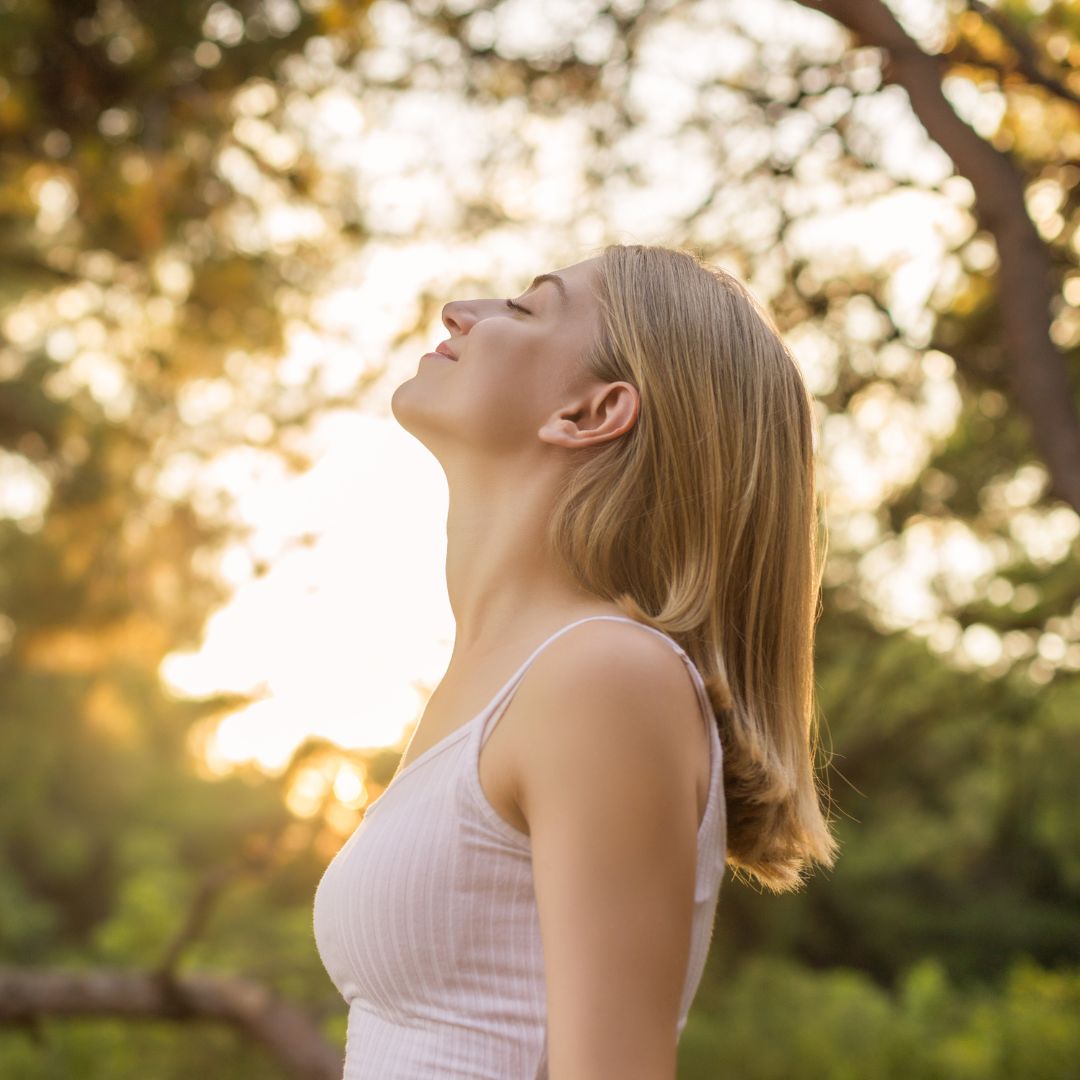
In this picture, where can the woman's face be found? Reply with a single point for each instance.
(513, 369)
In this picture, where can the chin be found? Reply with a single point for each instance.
(415, 417)
(398, 406)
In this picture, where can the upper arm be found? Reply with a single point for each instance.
(608, 789)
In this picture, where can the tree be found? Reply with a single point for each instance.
(146, 297)
(139, 271)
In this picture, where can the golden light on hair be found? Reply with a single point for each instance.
(703, 521)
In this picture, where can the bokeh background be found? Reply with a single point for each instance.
(227, 230)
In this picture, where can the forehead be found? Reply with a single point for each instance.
(569, 282)
(579, 274)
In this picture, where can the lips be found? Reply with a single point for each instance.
(444, 348)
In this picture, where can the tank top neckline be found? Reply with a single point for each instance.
(450, 738)
(459, 732)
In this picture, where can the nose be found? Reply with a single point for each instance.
(459, 316)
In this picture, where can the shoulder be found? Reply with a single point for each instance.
(608, 720)
(608, 703)
(612, 645)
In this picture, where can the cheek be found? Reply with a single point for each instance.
(506, 403)
(499, 400)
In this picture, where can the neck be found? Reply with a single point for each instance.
(503, 584)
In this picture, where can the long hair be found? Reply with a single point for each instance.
(702, 521)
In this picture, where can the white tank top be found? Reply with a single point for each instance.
(426, 919)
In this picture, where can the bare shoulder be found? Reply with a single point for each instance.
(615, 698)
(610, 728)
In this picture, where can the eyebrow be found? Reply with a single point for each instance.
(555, 279)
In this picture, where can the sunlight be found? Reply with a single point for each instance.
(340, 637)
(351, 625)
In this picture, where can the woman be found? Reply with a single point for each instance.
(632, 566)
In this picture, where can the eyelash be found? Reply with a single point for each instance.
(517, 307)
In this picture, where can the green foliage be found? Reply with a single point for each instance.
(105, 1049)
(955, 790)
(772, 1020)
(952, 794)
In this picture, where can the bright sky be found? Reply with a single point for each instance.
(341, 636)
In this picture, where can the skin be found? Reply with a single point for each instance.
(602, 758)
(502, 421)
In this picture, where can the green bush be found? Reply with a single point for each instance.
(777, 1021)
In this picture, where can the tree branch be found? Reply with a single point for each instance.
(198, 916)
(28, 995)
(1025, 50)
(260, 855)
(1034, 366)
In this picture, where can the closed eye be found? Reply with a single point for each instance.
(517, 307)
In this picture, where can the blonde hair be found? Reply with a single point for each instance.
(702, 522)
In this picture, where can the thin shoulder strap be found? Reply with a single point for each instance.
(503, 697)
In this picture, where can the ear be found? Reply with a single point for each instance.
(601, 414)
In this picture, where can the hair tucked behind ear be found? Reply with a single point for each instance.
(702, 521)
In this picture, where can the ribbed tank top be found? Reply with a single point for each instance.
(426, 919)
